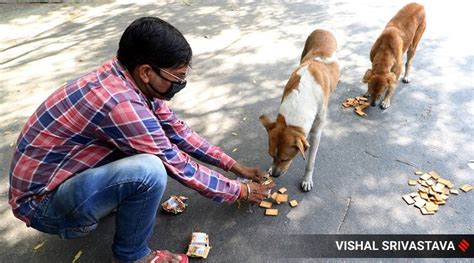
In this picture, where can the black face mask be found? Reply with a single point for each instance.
(172, 90)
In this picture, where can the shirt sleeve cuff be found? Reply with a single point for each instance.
(236, 196)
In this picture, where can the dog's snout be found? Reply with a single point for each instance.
(276, 174)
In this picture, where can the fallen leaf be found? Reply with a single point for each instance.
(244, 118)
(39, 246)
(77, 256)
(235, 134)
(234, 150)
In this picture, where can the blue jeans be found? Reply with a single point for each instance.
(134, 185)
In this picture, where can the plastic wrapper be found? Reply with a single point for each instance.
(175, 204)
(199, 246)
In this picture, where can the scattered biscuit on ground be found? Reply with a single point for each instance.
(431, 207)
(419, 202)
(446, 182)
(432, 192)
(271, 212)
(282, 190)
(281, 198)
(359, 104)
(274, 195)
(424, 211)
(408, 199)
(454, 191)
(293, 203)
(412, 182)
(425, 176)
(434, 174)
(466, 188)
(265, 204)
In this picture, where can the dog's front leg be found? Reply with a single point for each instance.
(386, 101)
(315, 137)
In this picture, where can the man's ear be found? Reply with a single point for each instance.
(391, 79)
(143, 72)
(302, 145)
(267, 123)
(367, 76)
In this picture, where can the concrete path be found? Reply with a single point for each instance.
(244, 54)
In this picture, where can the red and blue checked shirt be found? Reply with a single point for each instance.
(102, 117)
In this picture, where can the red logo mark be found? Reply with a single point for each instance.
(463, 245)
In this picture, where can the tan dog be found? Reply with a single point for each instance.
(303, 106)
(402, 33)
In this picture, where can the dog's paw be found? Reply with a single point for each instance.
(307, 185)
(405, 80)
(366, 95)
(385, 105)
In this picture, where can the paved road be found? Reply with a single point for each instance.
(244, 54)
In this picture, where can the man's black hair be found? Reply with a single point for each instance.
(152, 41)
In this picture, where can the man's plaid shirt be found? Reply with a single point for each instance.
(102, 117)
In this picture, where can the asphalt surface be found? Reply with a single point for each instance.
(244, 54)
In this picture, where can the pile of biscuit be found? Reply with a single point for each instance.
(359, 104)
(278, 198)
(433, 191)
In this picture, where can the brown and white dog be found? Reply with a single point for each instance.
(402, 33)
(303, 106)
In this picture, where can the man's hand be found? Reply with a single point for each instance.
(252, 173)
(257, 192)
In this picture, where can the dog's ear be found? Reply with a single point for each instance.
(367, 76)
(267, 123)
(281, 120)
(391, 79)
(302, 145)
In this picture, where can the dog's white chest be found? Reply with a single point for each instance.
(300, 107)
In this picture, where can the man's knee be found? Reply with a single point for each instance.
(152, 170)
